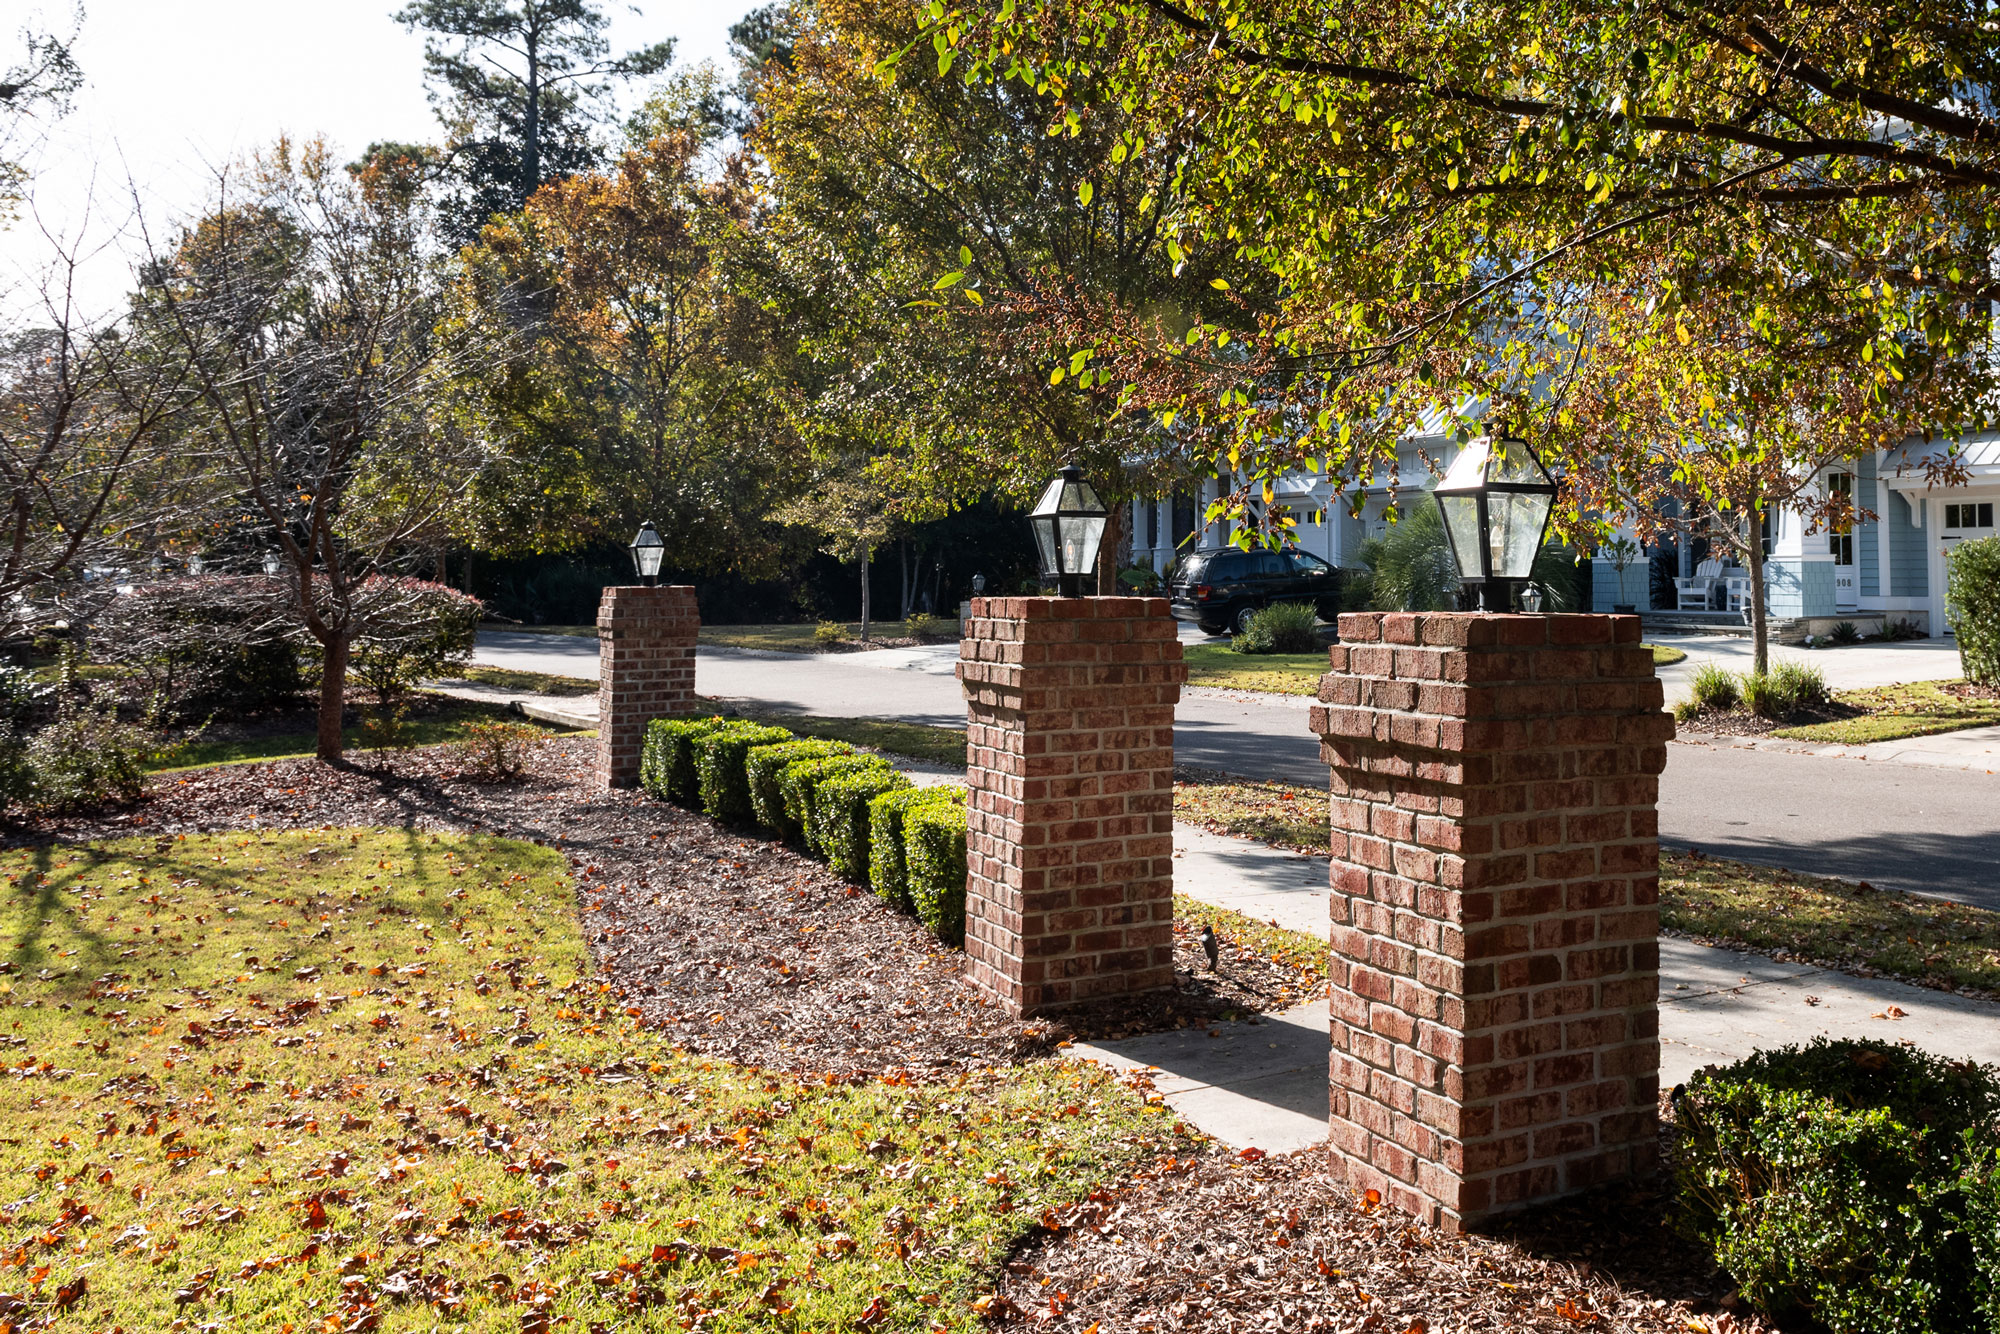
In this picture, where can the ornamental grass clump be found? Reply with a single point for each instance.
(1282, 627)
(765, 769)
(1972, 593)
(1849, 1184)
(1716, 688)
(719, 761)
(841, 825)
(667, 767)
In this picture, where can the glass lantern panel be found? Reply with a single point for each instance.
(1080, 495)
(1081, 536)
(1045, 544)
(649, 558)
(1517, 532)
(1461, 525)
(1519, 464)
(1468, 471)
(1052, 498)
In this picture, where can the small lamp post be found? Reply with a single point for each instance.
(1496, 499)
(197, 565)
(978, 585)
(648, 550)
(273, 563)
(1069, 527)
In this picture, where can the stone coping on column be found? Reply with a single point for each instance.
(1495, 879)
(645, 670)
(1069, 776)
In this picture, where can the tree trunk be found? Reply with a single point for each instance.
(1107, 552)
(867, 555)
(1760, 630)
(903, 555)
(333, 698)
(531, 123)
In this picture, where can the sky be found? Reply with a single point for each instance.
(175, 88)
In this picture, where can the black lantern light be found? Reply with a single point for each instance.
(1496, 499)
(648, 550)
(1069, 526)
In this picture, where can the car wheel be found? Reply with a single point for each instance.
(1211, 627)
(1243, 616)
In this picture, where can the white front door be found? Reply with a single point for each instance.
(1960, 521)
(1840, 541)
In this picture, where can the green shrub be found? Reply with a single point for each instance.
(928, 629)
(87, 758)
(800, 784)
(1899, 630)
(19, 694)
(1282, 627)
(221, 643)
(1716, 688)
(413, 631)
(1837, 1183)
(841, 825)
(1687, 711)
(1141, 580)
(719, 762)
(667, 761)
(934, 855)
(1972, 594)
(888, 875)
(1844, 632)
(1981, 1186)
(829, 634)
(1784, 690)
(766, 770)
(497, 751)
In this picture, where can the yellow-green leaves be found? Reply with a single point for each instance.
(1084, 193)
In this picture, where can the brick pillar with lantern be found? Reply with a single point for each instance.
(645, 670)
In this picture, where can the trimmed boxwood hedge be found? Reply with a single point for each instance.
(934, 853)
(765, 771)
(1850, 1184)
(1972, 589)
(719, 759)
(801, 782)
(666, 760)
(841, 826)
(888, 874)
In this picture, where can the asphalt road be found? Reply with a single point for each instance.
(1934, 831)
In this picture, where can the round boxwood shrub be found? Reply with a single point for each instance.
(1841, 1182)
(766, 769)
(1972, 591)
(934, 852)
(1282, 627)
(719, 761)
(888, 875)
(666, 759)
(841, 826)
(800, 784)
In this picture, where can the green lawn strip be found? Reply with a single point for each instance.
(1278, 673)
(800, 638)
(529, 683)
(1285, 815)
(445, 726)
(917, 741)
(1665, 655)
(576, 631)
(1929, 941)
(1294, 949)
(322, 1078)
(1921, 708)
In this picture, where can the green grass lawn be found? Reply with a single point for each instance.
(1923, 708)
(1943, 944)
(938, 745)
(1293, 673)
(577, 631)
(800, 638)
(445, 725)
(352, 1080)
(529, 683)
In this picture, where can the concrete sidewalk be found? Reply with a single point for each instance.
(1263, 1082)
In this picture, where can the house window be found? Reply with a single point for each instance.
(1969, 516)
(1840, 536)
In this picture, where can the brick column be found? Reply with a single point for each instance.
(1495, 919)
(645, 670)
(1070, 776)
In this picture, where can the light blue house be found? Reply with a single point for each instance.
(1890, 566)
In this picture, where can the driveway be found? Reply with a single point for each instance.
(1932, 831)
(1849, 667)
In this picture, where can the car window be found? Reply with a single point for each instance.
(1303, 563)
(1191, 567)
(1225, 565)
(1269, 565)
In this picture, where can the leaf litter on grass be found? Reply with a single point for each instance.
(350, 1080)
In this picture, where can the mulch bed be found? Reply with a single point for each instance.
(746, 950)
(1742, 722)
(1248, 1243)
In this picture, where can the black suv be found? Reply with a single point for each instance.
(1218, 590)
